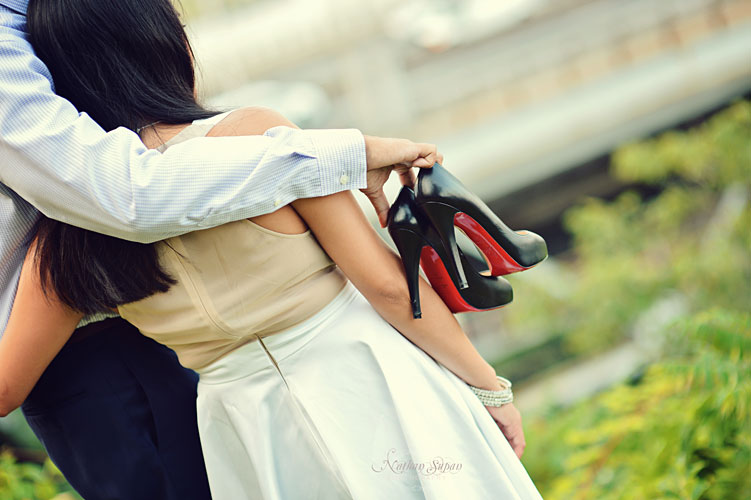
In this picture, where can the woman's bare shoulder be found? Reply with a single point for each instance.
(252, 120)
(255, 120)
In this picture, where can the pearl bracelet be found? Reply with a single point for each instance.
(495, 398)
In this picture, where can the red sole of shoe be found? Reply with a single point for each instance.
(441, 282)
(499, 261)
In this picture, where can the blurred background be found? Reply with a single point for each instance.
(619, 130)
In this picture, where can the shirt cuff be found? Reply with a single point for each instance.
(342, 164)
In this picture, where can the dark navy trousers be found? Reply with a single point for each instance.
(116, 413)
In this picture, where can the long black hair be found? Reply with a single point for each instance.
(125, 63)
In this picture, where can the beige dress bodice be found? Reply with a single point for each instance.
(235, 282)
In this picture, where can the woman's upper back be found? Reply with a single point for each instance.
(235, 281)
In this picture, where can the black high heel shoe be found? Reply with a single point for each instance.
(448, 203)
(417, 241)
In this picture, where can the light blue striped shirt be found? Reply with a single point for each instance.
(61, 162)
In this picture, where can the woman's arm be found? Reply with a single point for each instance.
(38, 328)
(345, 233)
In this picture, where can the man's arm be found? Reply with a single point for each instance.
(71, 170)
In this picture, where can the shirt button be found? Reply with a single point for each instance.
(277, 202)
(344, 179)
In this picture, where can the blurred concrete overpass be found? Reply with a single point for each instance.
(570, 83)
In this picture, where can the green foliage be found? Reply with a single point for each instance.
(693, 238)
(712, 154)
(683, 431)
(27, 481)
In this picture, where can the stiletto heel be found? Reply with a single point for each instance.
(415, 237)
(507, 251)
(410, 246)
(442, 218)
(483, 293)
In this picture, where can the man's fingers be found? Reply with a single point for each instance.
(383, 217)
(381, 205)
(407, 177)
(381, 152)
(427, 155)
(428, 161)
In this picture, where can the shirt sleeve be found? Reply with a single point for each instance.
(71, 170)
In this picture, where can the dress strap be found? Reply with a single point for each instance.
(213, 120)
(199, 128)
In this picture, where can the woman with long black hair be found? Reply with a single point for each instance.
(315, 379)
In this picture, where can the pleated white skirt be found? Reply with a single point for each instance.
(343, 406)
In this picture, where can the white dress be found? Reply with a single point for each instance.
(344, 406)
(338, 406)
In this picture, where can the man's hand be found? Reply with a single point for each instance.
(510, 422)
(385, 155)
